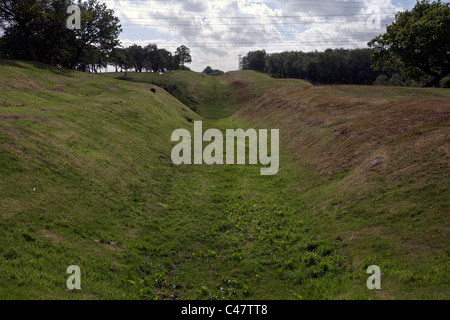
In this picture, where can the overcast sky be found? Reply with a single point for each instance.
(218, 31)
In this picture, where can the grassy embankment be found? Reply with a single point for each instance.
(87, 180)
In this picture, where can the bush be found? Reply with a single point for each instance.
(396, 80)
(445, 83)
(382, 80)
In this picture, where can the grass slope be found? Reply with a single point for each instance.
(83, 160)
(87, 180)
(212, 97)
(381, 162)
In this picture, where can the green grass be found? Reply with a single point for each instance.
(393, 214)
(211, 97)
(87, 180)
(80, 173)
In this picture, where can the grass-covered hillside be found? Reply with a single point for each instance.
(211, 97)
(381, 162)
(86, 179)
(83, 165)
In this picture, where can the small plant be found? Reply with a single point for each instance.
(203, 291)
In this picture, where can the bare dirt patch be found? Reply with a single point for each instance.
(53, 237)
(11, 116)
(13, 147)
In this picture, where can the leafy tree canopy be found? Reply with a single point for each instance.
(213, 72)
(36, 30)
(184, 54)
(417, 43)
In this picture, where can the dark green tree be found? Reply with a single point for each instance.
(175, 62)
(312, 69)
(99, 28)
(38, 29)
(151, 59)
(212, 72)
(23, 16)
(165, 58)
(255, 60)
(118, 58)
(417, 43)
(137, 57)
(340, 66)
(208, 70)
(184, 55)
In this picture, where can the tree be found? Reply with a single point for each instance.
(184, 54)
(312, 69)
(255, 60)
(39, 27)
(150, 58)
(119, 58)
(359, 67)
(212, 72)
(176, 62)
(158, 59)
(208, 70)
(417, 43)
(165, 59)
(99, 28)
(23, 16)
(137, 57)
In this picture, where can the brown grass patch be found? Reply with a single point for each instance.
(53, 237)
(11, 116)
(336, 132)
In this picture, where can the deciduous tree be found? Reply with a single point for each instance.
(417, 43)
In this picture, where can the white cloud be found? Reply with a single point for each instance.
(218, 31)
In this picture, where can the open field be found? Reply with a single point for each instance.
(87, 180)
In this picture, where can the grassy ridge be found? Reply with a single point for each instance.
(212, 97)
(87, 179)
(383, 155)
(83, 162)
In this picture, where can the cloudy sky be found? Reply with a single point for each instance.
(218, 31)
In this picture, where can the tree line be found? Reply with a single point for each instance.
(150, 58)
(37, 30)
(415, 50)
(332, 66)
